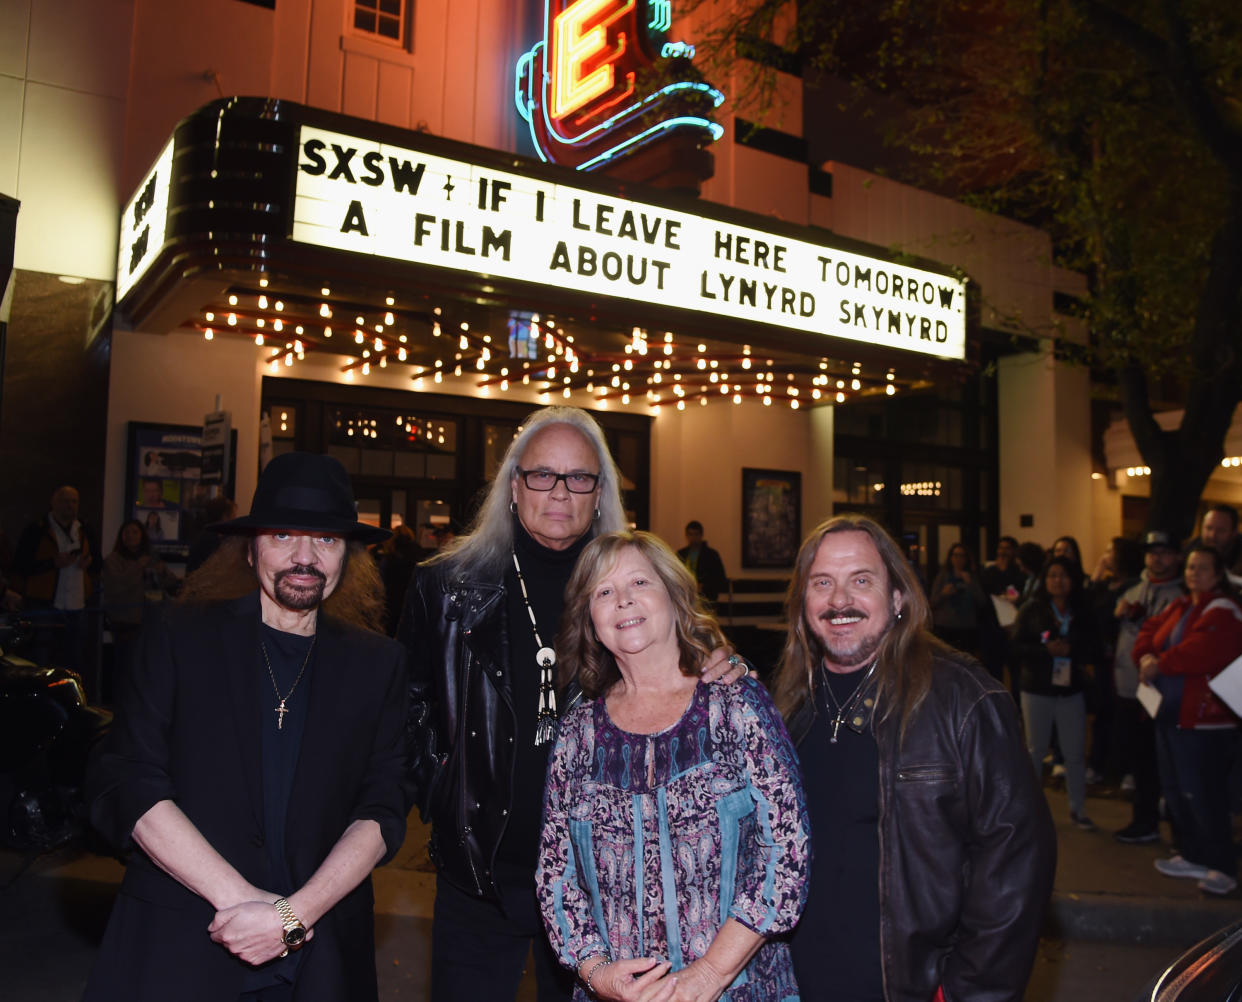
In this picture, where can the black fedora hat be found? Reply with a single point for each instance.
(301, 490)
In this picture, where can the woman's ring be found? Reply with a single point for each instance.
(734, 660)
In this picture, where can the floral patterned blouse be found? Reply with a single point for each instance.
(651, 841)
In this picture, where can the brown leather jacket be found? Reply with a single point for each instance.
(967, 847)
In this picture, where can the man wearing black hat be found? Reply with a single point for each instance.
(1135, 734)
(254, 769)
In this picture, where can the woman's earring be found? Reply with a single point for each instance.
(597, 513)
(512, 507)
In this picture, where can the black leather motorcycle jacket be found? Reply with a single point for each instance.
(461, 725)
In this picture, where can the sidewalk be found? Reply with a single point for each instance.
(1112, 892)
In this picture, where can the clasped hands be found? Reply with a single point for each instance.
(252, 930)
(645, 979)
(1149, 668)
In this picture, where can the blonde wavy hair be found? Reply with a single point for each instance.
(228, 574)
(904, 659)
(579, 654)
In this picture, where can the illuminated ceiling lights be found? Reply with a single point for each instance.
(396, 335)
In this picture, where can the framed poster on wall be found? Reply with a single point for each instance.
(162, 485)
(771, 517)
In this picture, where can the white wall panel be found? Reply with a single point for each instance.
(173, 379)
(68, 183)
(14, 33)
(12, 97)
(81, 45)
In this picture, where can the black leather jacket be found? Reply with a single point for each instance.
(461, 724)
(967, 846)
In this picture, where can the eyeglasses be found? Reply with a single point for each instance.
(545, 480)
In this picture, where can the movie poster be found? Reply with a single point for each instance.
(164, 490)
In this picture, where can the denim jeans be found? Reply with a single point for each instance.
(1194, 774)
(1069, 713)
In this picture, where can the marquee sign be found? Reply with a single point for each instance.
(369, 197)
(606, 80)
(144, 222)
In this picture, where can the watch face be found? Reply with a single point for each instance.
(295, 935)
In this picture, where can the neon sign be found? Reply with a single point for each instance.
(606, 81)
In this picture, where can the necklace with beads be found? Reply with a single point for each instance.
(545, 658)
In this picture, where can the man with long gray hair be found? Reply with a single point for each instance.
(934, 849)
(479, 621)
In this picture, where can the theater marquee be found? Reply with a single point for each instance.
(369, 197)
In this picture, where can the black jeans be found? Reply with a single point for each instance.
(1134, 743)
(479, 948)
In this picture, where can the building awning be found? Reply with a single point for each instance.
(308, 231)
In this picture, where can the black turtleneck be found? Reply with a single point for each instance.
(546, 573)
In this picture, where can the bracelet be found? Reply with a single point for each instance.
(590, 986)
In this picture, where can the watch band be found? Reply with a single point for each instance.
(289, 920)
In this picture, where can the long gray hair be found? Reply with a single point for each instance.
(485, 550)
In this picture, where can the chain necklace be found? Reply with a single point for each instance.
(281, 709)
(844, 709)
(545, 658)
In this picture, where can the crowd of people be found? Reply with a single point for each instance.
(1111, 671)
(606, 780)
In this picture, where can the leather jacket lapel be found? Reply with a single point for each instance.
(472, 605)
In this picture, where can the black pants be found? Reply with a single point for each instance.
(1134, 738)
(479, 948)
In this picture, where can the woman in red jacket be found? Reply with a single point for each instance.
(1178, 651)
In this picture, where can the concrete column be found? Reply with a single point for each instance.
(1044, 418)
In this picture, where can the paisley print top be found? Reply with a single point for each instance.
(651, 841)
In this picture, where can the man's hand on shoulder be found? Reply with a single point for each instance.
(252, 931)
(722, 665)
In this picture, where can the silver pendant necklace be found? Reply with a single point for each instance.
(545, 658)
(844, 709)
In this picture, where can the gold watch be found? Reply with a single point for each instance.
(295, 932)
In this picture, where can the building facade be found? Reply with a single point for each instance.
(106, 346)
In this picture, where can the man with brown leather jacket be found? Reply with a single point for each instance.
(934, 849)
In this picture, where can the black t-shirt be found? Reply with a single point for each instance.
(546, 573)
(286, 652)
(836, 946)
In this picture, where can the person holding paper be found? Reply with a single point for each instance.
(1178, 651)
(1135, 733)
(1057, 645)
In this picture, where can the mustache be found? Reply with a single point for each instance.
(303, 570)
(828, 614)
